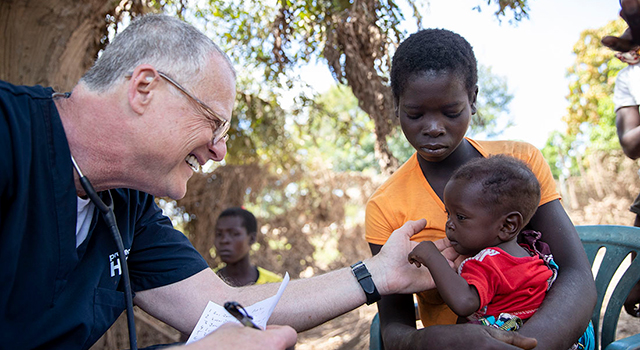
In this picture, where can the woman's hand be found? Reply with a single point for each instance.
(630, 39)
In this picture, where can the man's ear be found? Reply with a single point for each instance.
(252, 238)
(141, 88)
(474, 101)
(511, 225)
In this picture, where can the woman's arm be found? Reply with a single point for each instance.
(567, 308)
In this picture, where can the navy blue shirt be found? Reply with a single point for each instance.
(52, 294)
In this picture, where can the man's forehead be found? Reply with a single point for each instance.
(218, 87)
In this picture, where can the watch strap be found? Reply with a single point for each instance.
(363, 276)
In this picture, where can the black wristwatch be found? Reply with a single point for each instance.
(366, 282)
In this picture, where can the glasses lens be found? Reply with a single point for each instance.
(220, 133)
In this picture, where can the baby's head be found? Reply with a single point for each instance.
(489, 200)
(433, 51)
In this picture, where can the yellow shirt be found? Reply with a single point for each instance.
(266, 276)
(407, 195)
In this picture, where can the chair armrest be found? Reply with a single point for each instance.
(628, 343)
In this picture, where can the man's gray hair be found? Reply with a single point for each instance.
(167, 43)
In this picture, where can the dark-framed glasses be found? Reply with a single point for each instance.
(220, 124)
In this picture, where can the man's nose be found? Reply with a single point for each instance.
(218, 150)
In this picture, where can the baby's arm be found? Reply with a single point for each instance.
(461, 297)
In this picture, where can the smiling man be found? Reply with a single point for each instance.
(154, 107)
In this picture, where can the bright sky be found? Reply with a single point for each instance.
(533, 56)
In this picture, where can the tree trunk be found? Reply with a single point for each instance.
(355, 51)
(50, 42)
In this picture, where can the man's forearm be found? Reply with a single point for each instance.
(307, 303)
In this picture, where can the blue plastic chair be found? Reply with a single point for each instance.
(619, 241)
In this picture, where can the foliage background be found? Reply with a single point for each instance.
(306, 169)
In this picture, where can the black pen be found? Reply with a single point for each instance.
(237, 311)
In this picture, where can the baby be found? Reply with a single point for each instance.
(489, 201)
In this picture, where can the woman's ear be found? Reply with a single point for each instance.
(474, 101)
(511, 225)
(141, 88)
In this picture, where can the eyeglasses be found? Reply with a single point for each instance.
(220, 125)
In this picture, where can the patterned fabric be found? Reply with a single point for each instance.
(530, 240)
(587, 341)
(504, 321)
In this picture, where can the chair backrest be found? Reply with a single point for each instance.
(618, 241)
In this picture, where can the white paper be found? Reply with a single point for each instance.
(215, 315)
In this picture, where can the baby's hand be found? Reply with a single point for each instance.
(414, 260)
(420, 253)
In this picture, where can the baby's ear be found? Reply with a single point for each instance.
(511, 225)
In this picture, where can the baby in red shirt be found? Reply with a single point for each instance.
(489, 201)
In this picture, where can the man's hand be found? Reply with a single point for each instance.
(630, 39)
(233, 336)
(421, 253)
(445, 248)
(390, 269)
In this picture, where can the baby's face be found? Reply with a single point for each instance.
(471, 224)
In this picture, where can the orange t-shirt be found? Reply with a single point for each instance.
(407, 195)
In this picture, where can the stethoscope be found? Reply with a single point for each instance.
(107, 212)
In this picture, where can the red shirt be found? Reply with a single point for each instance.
(505, 283)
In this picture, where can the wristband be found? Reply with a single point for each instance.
(366, 282)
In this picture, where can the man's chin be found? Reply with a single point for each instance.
(173, 193)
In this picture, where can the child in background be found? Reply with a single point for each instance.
(235, 232)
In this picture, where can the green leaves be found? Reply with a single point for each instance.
(590, 116)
